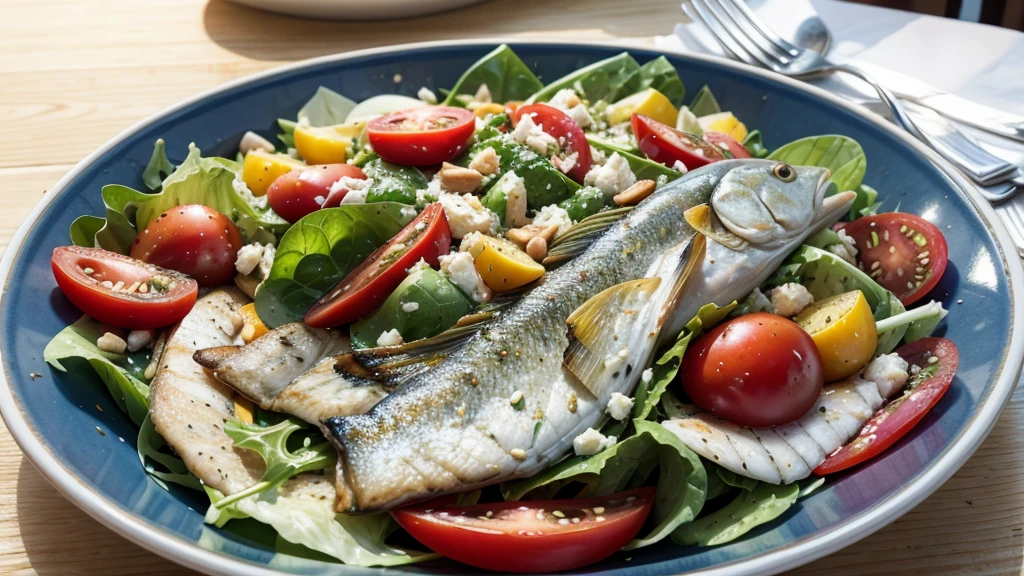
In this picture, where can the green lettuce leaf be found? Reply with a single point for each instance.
(84, 229)
(326, 108)
(318, 251)
(123, 378)
(866, 203)
(158, 168)
(704, 103)
(751, 508)
(507, 78)
(661, 75)
(160, 462)
(754, 145)
(610, 80)
(840, 154)
(682, 481)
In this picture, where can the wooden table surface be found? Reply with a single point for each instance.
(73, 73)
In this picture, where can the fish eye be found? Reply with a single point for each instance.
(784, 172)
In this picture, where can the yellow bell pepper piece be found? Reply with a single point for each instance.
(484, 109)
(252, 326)
(327, 144)
(260, 169)
(724, 122)
(648, 102)
(502, 265)
(244, 409)
(843, 329)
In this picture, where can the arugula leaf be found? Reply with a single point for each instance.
(318, 251)
(507, 78)
(840, 154)
(643, 168)
(610, 79)
(751, 508)
(438, 306)
(682, 481)
(661, 75)
(704, 103)
(153, 451)
(123, 379)
(754, 146)
(393, 182)
(271, 443)
(326, 108)
(159, 166)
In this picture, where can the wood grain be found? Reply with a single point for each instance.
(75, 73)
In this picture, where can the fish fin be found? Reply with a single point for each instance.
(582, 234)
(690, 260)
(593, 344)
(703, 220)
(213, 358)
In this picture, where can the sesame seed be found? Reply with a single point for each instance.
(558, 514)
(903, 229)
(933, 359)
(575, 520)
(88, 271)
(875, 265)
(598, 509)
(563, 522)
(118, 287)
(599, 518)
(925, 261)
(892, 249)
(518, 454)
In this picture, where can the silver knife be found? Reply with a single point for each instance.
(960, 109)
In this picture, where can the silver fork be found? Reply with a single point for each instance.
(742, 34)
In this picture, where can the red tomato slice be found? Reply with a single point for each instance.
(756, 370)
(364, 288)
(421, 136)
(897, 418)
(194, 239)
(531, 536)
(81, 273)
(728, 143)
(563, 129)
(667, 145)
(306, 190)
(904, 253)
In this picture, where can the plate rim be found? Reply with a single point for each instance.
(189, 554)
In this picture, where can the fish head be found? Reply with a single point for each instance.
(765, 203)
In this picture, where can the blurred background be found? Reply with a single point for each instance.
(1006, 13)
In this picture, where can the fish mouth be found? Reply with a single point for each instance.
(832, 207)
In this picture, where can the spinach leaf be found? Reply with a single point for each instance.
(584, 202)
(326, 108)
(610, 79)
(643, 168)
(751, 508)
(754, 146)
(661, 75)
(160, 462)
(507, 78)
(704, 103)
(318, 251)
(545, 184)
(393, 182)
(125, 381)
(158, 168)
(682, 481)
(840, 154)
(436, 304)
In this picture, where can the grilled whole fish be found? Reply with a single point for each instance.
(788, 453)
(583, 334)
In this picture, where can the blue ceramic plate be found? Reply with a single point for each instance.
(982, 289)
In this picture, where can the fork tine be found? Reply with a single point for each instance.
(765, 31)
(740, 15)
(698, 12)
(725, 23)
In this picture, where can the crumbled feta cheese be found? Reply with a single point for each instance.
(471, 242)
(612, 177)
(427, 95)
(564, 99)
(420, 265)
(847, 249)
(758, 302)
(486, 161)
(553, 215)
(139, 339)
(267, 261)
(567, 163)
(248, 258)
(390, 338)
(355, 189)
(111, 343)
(647, 375)
(408, 213)
(355, 197)
(461, 271)
(466, 214)
(680, 167)
(619, 406)
(591, 442)
(429, 194)
(483, 94)
(513, 188)
(888, 372)
(790, 299)
(534, 136)
(256, 202)
(410, 307)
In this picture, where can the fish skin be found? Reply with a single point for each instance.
(452, 428)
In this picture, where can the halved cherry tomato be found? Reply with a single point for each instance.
(756, 370)
(667, 145)
(306, 190)
(193, 239)
(938, 359)
(147, 296)
(563, 129)
(910, 252)
(530, 536)
(732, 145)
(364, 288)
(421, 136)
